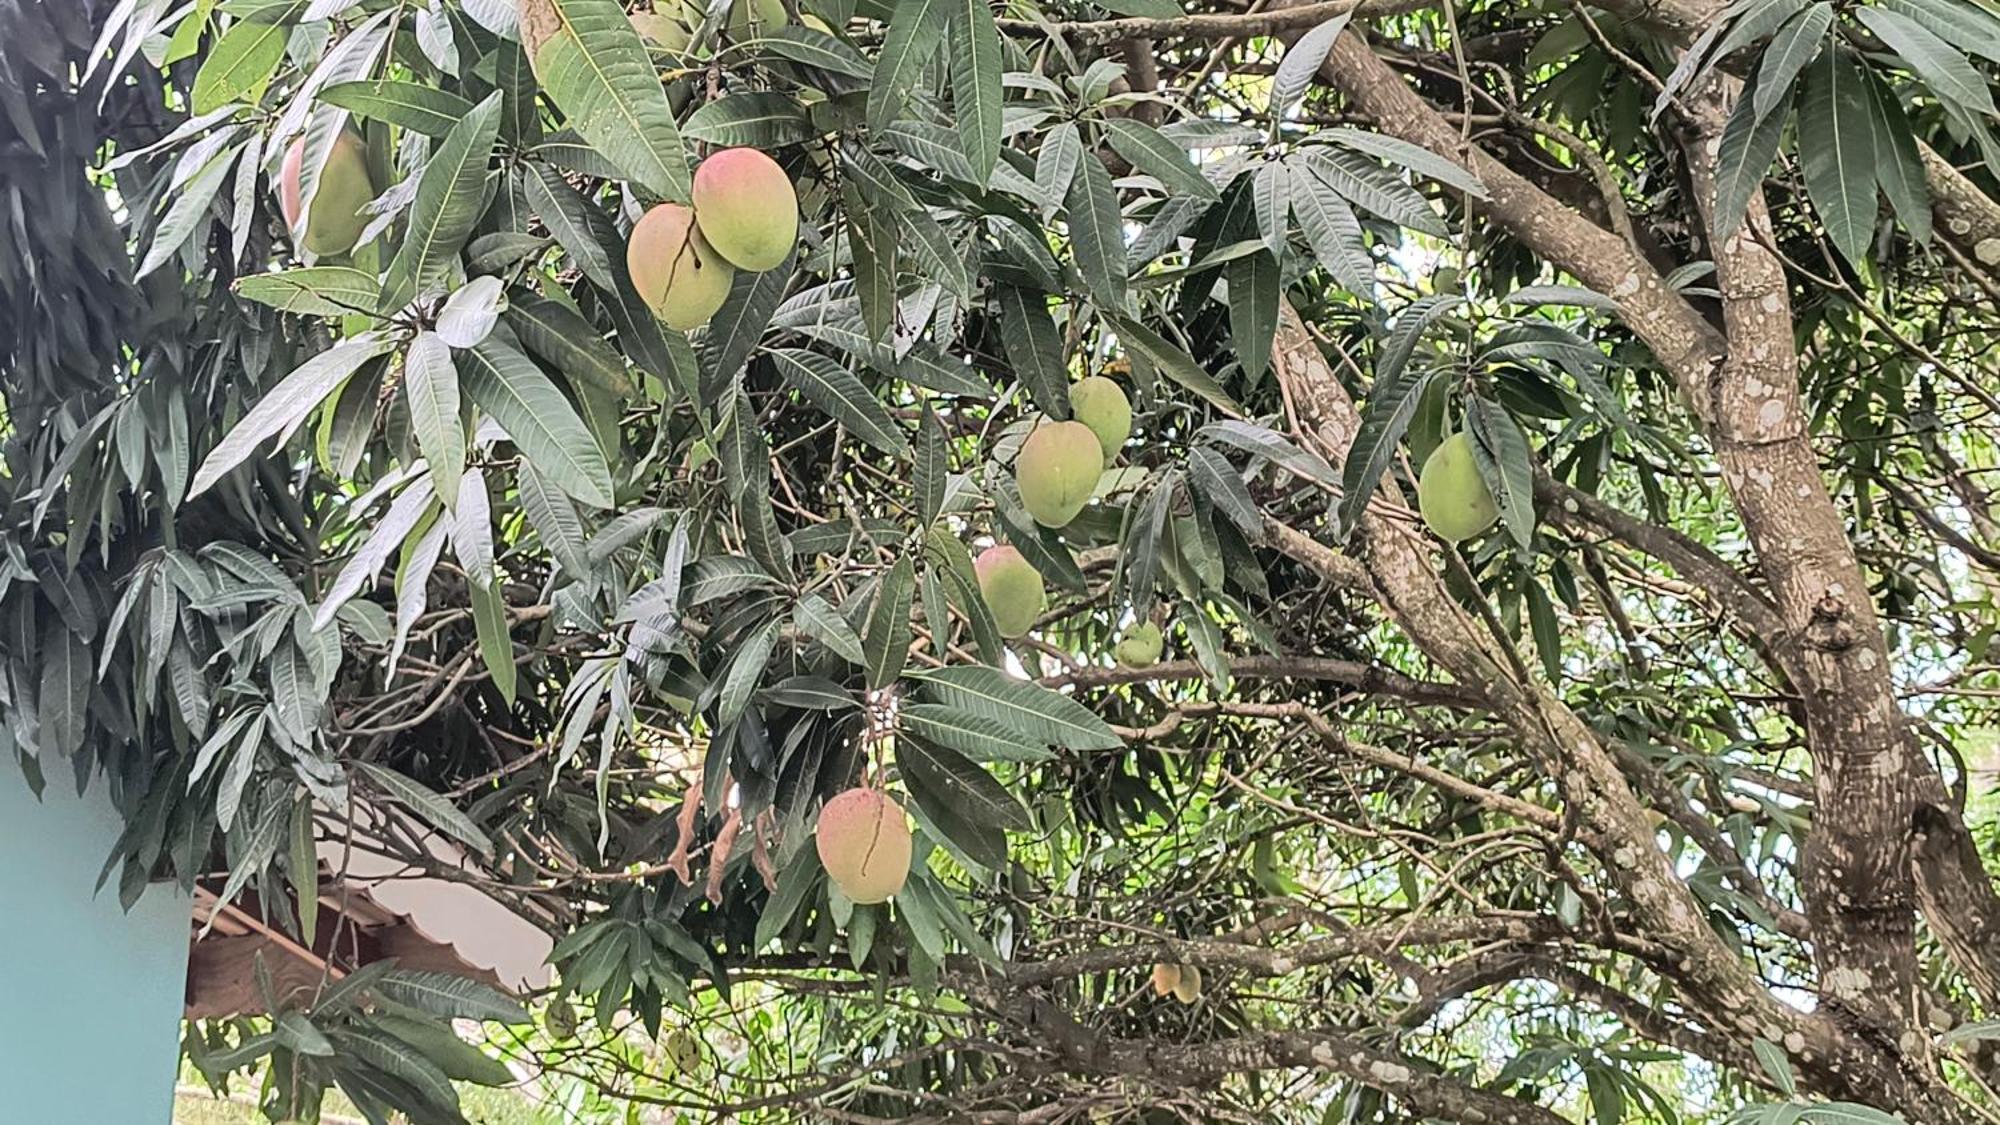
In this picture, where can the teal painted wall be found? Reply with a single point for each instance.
(90, 996)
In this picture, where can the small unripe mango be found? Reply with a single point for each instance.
(1451, 495)
(676, 272)
(1058, 470)
(1166, 977)
(1101, 404)
(1012, 588)
(746, 208)
(864, 844)
(336, 219)
(1187, 989)
(1140, 646)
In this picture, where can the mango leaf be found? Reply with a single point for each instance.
(432, 808)
(760, 118)
(314, 291)
(450, 195)
(1837, 151)
(915, 30)
(974, 63)
(508, 385)
(1034, 347)
(286, 406)
(412, 105)
(1152, 153)
(1031, 710)
(594, 66)
(839, 392)
(886, 640)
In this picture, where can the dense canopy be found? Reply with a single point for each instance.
(1634, 767)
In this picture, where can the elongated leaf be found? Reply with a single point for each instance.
(507, 385)
(413, 105)
(818, 620)
(973, 51)
(1152, 153)
(288, 404)
(760, 118)
(886, 640)
(1301, 62)
(240, 63)
(1749, 144)
(1172, 360)
(1837, 151)
(450, 195)
(1505, 461)
(569, 343)
(1421, 161)
(1898, 169)
(841, 393)
(1029, 709)
(1097, 232)
(1333, 232)
(977, 737)
(746, 668)
(1034, 348)
(1391, 404)
(1253, 309)
(314, 291)
(405, 512)
(593, 65)
(1947, 72)
(971, 791)
(915, 30)
(1795, 45)
(430, 382)
(450, 996)
(1373, 189)
(435, 810)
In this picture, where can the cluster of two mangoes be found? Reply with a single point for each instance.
(745, 216)
(1057, 471)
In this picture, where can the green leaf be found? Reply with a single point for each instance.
(1372, 188)
(915, 30)
(977, 737)
(1017, 705)
(762, 119)
(815, 48)
(450, 195)
(1152, 153)
(496, 644)
(1772, 1058)
(1837, 151)
(1501, 450)
(971, 791)
(1034, 347)
(450, 996)
(429, 806)
(1796, 44)
(399, 1060)
(442, 1046)
(974, 63)
(595, 68)
(507, 385)
(886, 640)
(1171, 360)
(63, 699)
(287, 405)
(314, 291)
(933, 466)
(1301, 64)
(1899, 171)
(1749, 144)
(240, 63)
(1097, 232)
(839, 392)
(1948, 73)
(1333, 232)
(746, 667)
(1421, 161)
(1253, 309)
(818, 620)
(412, 105)
(564, 339)
(190, 206)
(430, 384)
(304, 868)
